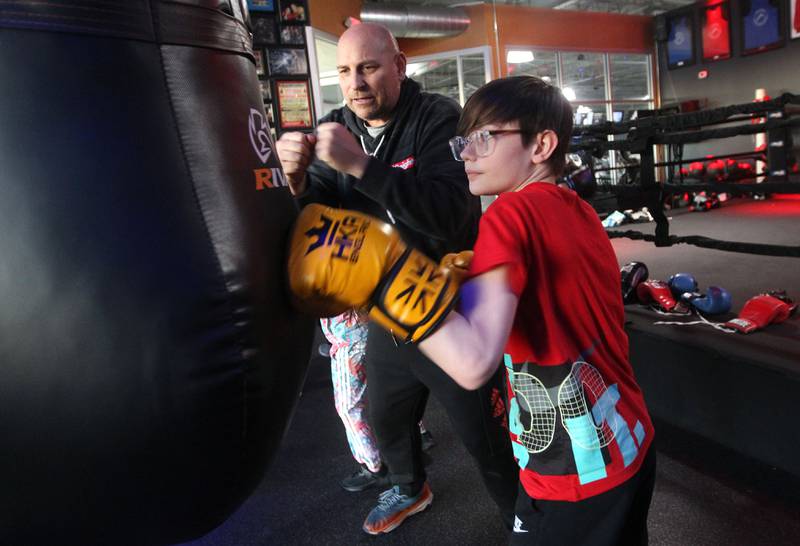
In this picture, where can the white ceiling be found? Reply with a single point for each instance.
(634, 7)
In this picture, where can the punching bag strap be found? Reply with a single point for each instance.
(186, 22)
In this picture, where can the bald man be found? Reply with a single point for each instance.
(386, 153)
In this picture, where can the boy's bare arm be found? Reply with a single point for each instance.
(469, 345)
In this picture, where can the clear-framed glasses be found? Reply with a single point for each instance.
(483, 141)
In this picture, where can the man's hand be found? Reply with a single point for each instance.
(337, 147)
(296, 151)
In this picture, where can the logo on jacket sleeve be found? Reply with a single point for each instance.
(405, 164)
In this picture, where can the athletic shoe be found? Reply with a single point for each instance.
(393, 508)
(427, 440)
(363, 479)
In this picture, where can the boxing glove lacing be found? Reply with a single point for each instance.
(717, 325)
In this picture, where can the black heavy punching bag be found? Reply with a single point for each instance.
(149, 358)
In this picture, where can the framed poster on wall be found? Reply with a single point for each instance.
(294, 11)
(258, 54)
(762, 27)
(261, 5)
(716, 32)
(795, 18)
(287, 62)
(266, 90)
(265, 30)
(680, 40)
(293, 34)
(294, 104)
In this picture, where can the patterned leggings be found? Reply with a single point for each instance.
(347, 334)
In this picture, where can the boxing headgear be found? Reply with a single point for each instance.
(632, 275)
(716, 170)
(697, 169)
(578, 176)
(680, 283)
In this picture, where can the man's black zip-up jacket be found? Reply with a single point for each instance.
(412, 180)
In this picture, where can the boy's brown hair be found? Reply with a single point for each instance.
(530, 101)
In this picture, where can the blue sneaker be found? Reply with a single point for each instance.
(393, 508)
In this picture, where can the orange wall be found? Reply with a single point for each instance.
(517, 26)
(479, 33)
(545, 28)
(574, 29)
(329, 15)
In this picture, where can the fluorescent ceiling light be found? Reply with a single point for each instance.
(516, 56)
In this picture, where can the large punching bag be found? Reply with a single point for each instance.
(149, 357)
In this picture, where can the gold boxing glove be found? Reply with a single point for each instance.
(341, 259)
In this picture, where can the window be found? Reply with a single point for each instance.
(540, 63)
(437, 76)
(330, 94)
(473, 69)
(630, 76)
(455, 74)
(601, 87)
(584, 74)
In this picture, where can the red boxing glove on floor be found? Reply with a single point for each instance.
(657, 293)
(759, 311)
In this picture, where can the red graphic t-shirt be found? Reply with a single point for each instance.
(578, 421)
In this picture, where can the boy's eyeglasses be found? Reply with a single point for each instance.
(483, 141)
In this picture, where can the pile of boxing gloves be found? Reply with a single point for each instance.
(680, 295)
(705, 201)
(629, 216)
(720, 170)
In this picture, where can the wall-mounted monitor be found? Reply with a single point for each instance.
(762, 25)
(716, 31)
(680, 40)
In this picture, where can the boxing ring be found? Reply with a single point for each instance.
(738, 390)
(734, 389)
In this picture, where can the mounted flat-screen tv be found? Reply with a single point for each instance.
(716, 32)
(762, 25)
(680, 40)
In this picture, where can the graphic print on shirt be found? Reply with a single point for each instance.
(577, 396)
(530, 396)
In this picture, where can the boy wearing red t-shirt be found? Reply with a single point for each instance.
(544, 298)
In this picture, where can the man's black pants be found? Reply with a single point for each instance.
(399, 379)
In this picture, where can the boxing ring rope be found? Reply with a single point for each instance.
(679, 129)
(716, 244)
(688, 120)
